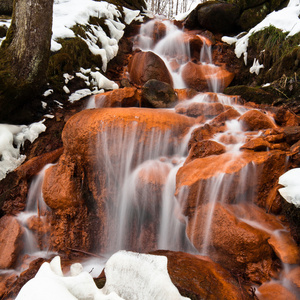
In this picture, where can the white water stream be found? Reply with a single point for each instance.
(143, 186)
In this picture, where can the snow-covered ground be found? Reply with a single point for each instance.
(129, 275)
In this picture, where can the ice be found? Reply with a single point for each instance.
(291, 191)
(129, 275)
(12, 137)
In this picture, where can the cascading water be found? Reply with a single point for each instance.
(140, 167)
(35, 211)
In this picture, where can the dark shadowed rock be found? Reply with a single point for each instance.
(159, 94)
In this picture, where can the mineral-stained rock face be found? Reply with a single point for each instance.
(198, 277)
(82, 187)
(147, 65)
(199, 175)
(231, 242)
(10, 241)
(256, 120)
(198, 76)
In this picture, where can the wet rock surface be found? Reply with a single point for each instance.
(11, 234)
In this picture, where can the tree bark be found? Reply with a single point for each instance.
(24, 55)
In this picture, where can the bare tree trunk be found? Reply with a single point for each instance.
(25, 54)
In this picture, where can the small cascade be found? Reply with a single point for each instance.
(33, 219)
(143, 186)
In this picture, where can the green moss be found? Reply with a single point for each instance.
(254, 94)
(73, 55)
(273, 45)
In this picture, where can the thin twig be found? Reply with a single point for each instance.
(85, 252)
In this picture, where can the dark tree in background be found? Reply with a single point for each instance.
(24, 57)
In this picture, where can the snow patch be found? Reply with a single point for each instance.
(286, 19)
(291, 191)
(256, 67)
(12, 137)
(128, 276)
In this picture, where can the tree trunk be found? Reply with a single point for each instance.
(24, 56)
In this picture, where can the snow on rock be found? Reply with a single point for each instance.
(128, 276)
(12, 137)
(256, 67)
(285, 19)
(68, 13)
(291, 191)
(139, 276)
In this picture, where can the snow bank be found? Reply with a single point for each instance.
(291, 191)
(128, 276)
(285, 19)
(68, 13)
(12, 137)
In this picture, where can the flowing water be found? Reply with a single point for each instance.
(142, 179)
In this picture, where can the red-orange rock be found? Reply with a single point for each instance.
(198, 277)
(294, 276)
(285, 247)
(185, 94)
(231, 242)
(203, 149)
(201, 133)
(256, 120)
(124, 97)
(197, 76)
(144, 66)
(273, 290)
(76, 190)
(206, 109)
(256, 144)
(11, 234)
(159, 31)
(227, 115)
(285, 117)
(238, 173)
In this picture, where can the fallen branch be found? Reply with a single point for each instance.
(85, 252)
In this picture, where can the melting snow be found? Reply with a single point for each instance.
(128, 276)
(256, 67)
(12, 137)
(286, 19)
(291, 191)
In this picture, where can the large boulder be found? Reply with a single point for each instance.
(216, 16)
(83, 185)
(11, 234)
(144, 66)
(197, 277)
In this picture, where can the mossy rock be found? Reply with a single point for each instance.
(244, 4)
(252, 16)
(279, 54)
(6, 7)
(253, 94)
